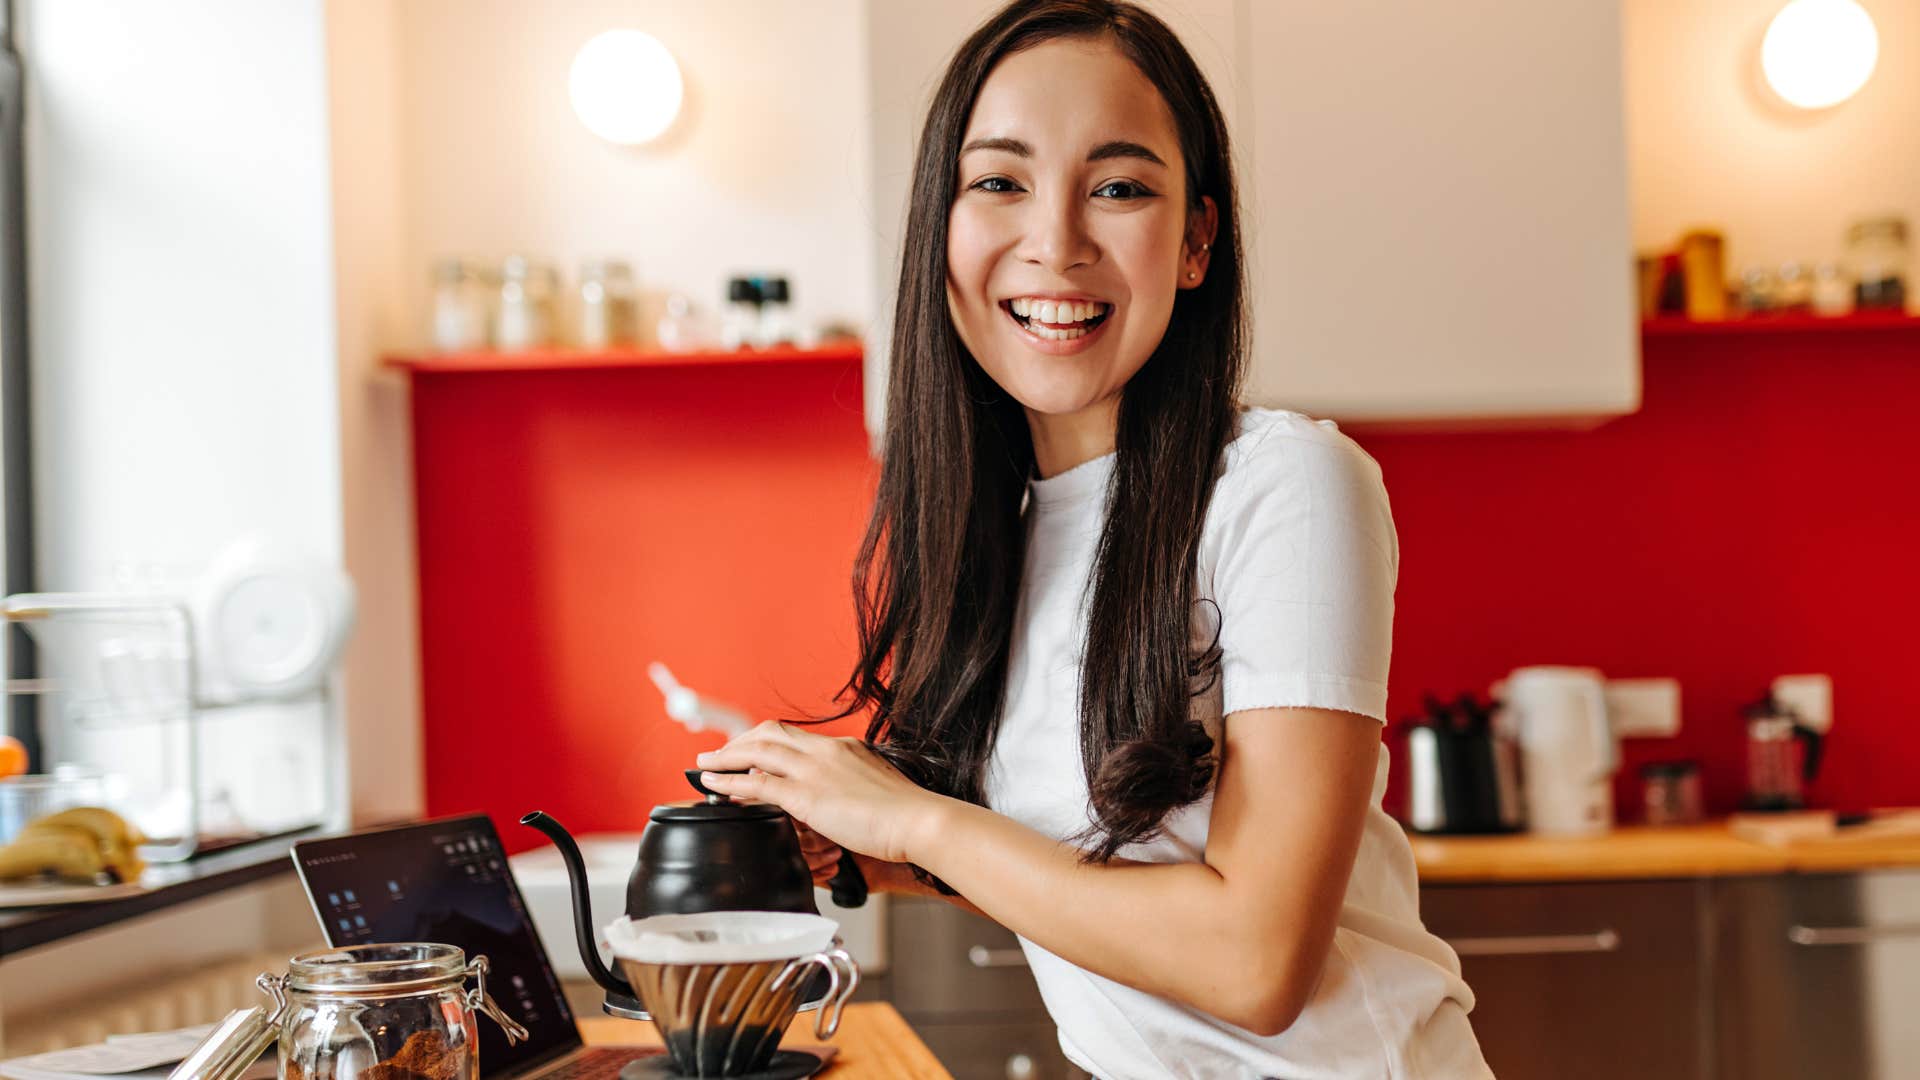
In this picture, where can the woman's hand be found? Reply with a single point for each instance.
(838, 787)
(823, 860)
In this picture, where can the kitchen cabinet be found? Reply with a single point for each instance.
(1742, 977)
(1816, 975)
(964, 985)
(1434, 198)
(1598, 980)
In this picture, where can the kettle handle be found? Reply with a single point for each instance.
(849, 885)
(1607, 746)
(1814, 742)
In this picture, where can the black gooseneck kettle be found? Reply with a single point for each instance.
(710, 854)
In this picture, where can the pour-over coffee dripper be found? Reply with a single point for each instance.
(722, 987)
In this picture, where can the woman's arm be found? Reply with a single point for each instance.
(1243, 936)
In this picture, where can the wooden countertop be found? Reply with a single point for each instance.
(1641, 851)
(873, 1042)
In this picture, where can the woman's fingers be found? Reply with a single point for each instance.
(758, 786)
(767, 756)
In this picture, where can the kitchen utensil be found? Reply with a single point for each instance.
(1463, 776)
(1783, 755)
(698, 856)
(722, 986)
(1567, 748)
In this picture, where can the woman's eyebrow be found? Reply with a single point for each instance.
(1113, 148)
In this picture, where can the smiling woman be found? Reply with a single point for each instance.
(1124, 643)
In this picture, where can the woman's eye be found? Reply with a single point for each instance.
(997, 185)
(1121, 189)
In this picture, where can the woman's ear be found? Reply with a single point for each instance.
(1203, 223)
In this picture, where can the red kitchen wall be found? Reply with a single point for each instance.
(1757, 517)
(576, 525)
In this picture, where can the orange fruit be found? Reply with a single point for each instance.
(13, 757)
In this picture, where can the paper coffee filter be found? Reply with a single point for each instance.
(720, 937)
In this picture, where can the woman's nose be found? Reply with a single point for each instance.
(1057, 237)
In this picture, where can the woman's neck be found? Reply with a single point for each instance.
(1063, 440)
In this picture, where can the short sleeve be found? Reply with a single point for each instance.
(1303, 563)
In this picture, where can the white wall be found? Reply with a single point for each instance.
(376, 451)
(181, 282)
(767, 169)
(183, 344)
(1707, 144)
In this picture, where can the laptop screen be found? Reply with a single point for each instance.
(444, 881)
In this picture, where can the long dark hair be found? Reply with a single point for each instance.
(938, 574)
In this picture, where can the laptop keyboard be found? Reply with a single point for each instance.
(602, 1063)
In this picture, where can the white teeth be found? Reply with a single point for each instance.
(1051, 334)
(1056, 312)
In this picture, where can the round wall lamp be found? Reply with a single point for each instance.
(1819, 53)
(625, 87)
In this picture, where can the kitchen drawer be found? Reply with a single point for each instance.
(951, 963)
(1818, 975)
(1008, 1051)
(1582, 980)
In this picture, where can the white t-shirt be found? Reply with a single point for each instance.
(1299, 553)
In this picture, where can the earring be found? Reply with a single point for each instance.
(1206, 247)
(1191, 275)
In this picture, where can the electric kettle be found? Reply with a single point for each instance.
(710, 854)
(1568, 751)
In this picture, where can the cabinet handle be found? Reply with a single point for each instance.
(982, 957)
(1536, 945)
(1851, 935)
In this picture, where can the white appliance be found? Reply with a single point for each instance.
(1568, 750)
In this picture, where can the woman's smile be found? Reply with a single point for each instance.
(1057, 326)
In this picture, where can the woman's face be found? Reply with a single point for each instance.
(1070, 235)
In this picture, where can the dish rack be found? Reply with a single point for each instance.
(175, 725)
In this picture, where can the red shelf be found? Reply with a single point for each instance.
(1671, 326)
(584, 359)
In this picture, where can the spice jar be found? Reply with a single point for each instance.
(1672, 792)
(364, 1010)
(608, 312)
(459, 306)
(523, 315)
(1877, 255)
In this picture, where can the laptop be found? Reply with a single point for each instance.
(448, 881)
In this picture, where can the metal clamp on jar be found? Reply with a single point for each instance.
(341, 1012)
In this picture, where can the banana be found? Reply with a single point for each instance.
(117, 840)
(65, 852)
(110, 827)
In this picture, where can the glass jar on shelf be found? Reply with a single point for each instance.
(1880, 262)
(459, 306)
(607, 312)
(523, 313)
(1832, 290)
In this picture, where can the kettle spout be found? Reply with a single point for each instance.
(582, 906)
